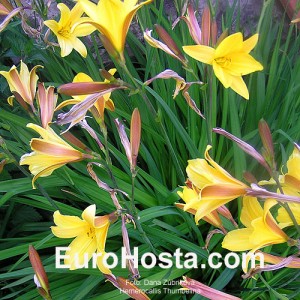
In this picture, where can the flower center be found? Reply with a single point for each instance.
(91, 232)
(224, 62)
(65, 32)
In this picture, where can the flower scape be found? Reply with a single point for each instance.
(146, 159)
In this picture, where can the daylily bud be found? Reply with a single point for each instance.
(41, 278)
(294, 261)
(166, 38)
(266, 138)
(206, 26)
(135, 137)
(85, 88)
(47, 102)
(205, 290)
(214, 32)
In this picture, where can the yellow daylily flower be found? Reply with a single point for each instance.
(70, 26)
(290, 184)
(216, 186)
(230, 60)
(112, 18)
(22, 85)
(261, 228)
(283, 217)
(90, 235)
(190, 195)
(50, 152)
(293, 166)
(103, 101)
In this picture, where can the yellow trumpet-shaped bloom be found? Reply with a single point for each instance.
(261, 228)
(191, 195)
(90, 235)
(112, 18)
(50, 152)
(290, 184)
(230, 60)
(102, 103)
(216, 186)
(22, 84)
(293, 166)
(70, 26)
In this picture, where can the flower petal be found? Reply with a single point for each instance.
(81, 250)
(222, 75)
(231, 44)
(89, 215)
(250, 43)
(238, 240)
(202, 53)
(239, 86)
(68, 226)
(251, 210)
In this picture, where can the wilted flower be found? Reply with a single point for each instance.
(70, 26)
(168, 46)
(230, 60)
(7, 10)
(131, 147)
(103, 102)
(127, 287)
(181, 85)
(204, 290)
(50, 152)
(90, 235)
(22, 85)
(216, 186)
(205, 35)
(112, 19)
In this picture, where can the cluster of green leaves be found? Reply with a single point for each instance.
(26, 214)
